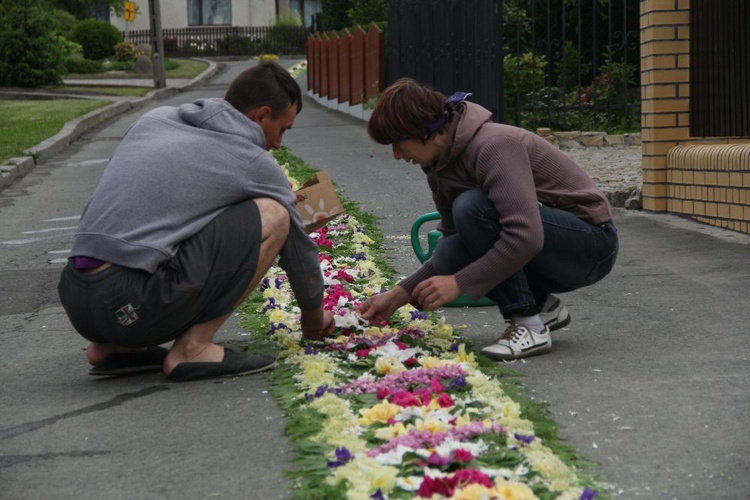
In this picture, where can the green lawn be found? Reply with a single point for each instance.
(108, 90)
(26, 123)
(184, 68)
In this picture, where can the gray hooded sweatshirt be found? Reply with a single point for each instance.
(174, 171)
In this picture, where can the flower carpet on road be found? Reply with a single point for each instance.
(397, 410)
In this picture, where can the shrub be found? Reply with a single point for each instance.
(97, 37)
(30, 56)
(126, 51)
(118, 65)
(83, 66)
(69, 48)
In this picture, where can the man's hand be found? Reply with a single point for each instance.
(317, 324)
(436, 291)
(381, 307)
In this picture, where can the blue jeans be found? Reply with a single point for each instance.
(576, 253)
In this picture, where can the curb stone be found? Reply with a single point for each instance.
(18, 167)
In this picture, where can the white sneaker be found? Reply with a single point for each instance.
(518, 342)
(555, 315)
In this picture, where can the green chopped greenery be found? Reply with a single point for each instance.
(304, 423)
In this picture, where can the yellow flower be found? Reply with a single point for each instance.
(430, 362)
(474, 492)
(391, 432)
(431, 425)
(512, 490)
(358, 237)
(385, 365)
(380, 413)
(317, 371)
(559, 476)
(444, 330)
(365, 476)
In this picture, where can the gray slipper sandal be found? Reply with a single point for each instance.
(234, 364)
(129, 363)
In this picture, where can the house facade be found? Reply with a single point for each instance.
(207, 13)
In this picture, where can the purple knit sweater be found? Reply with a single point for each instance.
(518, 170)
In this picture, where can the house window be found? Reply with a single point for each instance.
(209, 12)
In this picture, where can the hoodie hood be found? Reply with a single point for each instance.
(217, 115)
(467, 121)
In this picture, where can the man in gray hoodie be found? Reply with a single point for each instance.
(188, 216)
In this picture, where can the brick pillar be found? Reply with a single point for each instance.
(665, 103)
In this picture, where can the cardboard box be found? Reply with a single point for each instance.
(317, 202)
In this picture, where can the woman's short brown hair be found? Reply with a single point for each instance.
(407, 109)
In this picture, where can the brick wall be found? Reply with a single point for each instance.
(711, 184)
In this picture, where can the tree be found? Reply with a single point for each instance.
(30, 55)
(364, 12)
(335, 14)
(84, 9)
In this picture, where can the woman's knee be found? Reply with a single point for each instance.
(472, 206)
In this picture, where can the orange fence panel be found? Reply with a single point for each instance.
(345, 66)
(357, 66)
(374, 67)
(333, 66)
(324, 41)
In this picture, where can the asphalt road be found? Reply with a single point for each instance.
(65, 434)
(650, 381)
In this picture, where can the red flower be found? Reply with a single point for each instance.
(363, 353)
(445, 400)
(405, 399)
(462, 455)
(436, 486)
(436, 386)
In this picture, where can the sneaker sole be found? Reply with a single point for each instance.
(523, 354)
(556, 324)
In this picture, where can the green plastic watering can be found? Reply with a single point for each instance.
(433, 236)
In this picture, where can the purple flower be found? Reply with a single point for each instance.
(524, 438)
(453, 348)
(271, 304)
(310, 350)
(321, 390)
(378, 495)
(418, 315)
(359, 256)
(278, 282)
(264, 284)
(457, 383)
(589, 494)
(342, 457)
(436, 460)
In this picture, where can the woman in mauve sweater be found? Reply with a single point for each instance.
(520, 220)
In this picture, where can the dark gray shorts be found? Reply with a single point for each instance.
(203, 281)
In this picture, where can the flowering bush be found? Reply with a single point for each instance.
(401, 409)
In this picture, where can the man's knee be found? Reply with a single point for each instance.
(274, 217)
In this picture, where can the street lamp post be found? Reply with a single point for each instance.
(157, 44)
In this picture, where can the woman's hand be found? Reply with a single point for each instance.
(317, 324)
(436, 291)
(381, 307)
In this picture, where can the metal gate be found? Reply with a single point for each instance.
(451, 45)
(563, 64)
